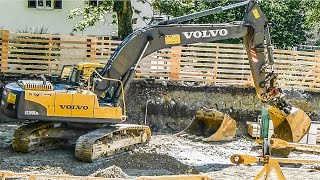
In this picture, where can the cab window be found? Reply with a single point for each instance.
(66, 73)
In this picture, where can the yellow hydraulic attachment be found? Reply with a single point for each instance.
(270, 163)
(210, 125)
(291, 127)
(10, 174)
(279, 143)
(298, 122)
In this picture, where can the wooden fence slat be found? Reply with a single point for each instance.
(49, 35)
(47, 41)
(279, 51)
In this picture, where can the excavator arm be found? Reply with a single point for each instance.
(254, 31)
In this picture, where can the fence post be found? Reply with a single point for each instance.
(49, 54)
(92, 43)
(4, 50)
(109, 41)
(316, 79)
(175, 63)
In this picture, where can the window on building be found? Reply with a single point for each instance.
(95, 2)
(58, 4)
(45, 4)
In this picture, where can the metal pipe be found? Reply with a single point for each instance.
(145, 115)
(122, 89)
(295, 161)
(269, 46)
(141, 55)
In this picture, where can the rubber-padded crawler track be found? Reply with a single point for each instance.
(21, 137)
(109, 140)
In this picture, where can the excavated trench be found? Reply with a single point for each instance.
(169, 107)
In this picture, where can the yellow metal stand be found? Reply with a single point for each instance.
(267, 168)
(270, 164)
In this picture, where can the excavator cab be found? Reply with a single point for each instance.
(66, 73)
(74, 74)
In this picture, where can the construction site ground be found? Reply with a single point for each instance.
(166, 154)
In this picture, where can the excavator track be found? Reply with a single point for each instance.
(29, 137)
(108, 140)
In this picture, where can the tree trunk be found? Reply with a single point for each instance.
(124, 15)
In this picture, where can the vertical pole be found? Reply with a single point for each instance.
(146, 112)
(175, 63)
(264, 131)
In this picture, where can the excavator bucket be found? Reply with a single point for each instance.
(291, 128)
(210, 125)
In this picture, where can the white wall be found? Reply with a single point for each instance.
(15, 15)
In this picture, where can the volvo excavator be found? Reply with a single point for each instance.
(87, 106)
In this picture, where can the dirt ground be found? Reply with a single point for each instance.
(166, 154)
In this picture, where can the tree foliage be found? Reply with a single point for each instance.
(287, 18)
(313, 18)
(288, 21)
(313, 21)
(92, 14)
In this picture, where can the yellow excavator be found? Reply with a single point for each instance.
(87, 105)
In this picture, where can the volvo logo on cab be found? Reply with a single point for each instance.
(78, 107)
(205, 33)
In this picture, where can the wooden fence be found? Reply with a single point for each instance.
(211, 63)
(47, 53)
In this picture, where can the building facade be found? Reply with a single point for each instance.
(28, 15)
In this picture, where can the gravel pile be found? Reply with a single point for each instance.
(111, 172)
